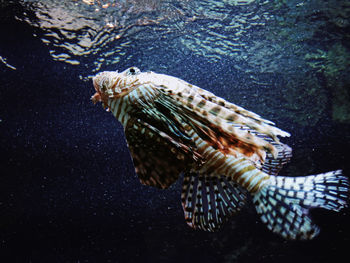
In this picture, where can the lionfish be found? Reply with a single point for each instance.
(226, 154)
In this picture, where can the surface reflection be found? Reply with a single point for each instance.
(254, 38)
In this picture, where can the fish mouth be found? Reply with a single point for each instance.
(95, 83)
(96, 98)
(107, 86)
(99, 95)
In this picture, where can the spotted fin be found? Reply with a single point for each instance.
(158, 158)
(272, 165)
(237, 109)
(243, 117)
(209, 201)
(218, 114)
(284, 202)
(213, 134)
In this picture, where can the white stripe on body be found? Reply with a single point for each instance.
(238, 169)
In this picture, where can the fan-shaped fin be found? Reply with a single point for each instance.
(209, 201)
(272, 165)
(284, 202)
(219, 111)
(157, 157)
(228, 143)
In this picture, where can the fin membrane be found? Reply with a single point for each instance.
(272, 165)
(209, 201)
(284, 202)
(158, 158)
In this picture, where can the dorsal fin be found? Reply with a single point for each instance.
(206, 106)
(272, 165)
(209, 201)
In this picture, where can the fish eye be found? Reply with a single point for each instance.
(133, 71)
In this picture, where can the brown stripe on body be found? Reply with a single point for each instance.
(213, 158)
(238, 169)
(218, 165)
(257, 186)
(239, 174)
(115, 106)
(139, 94)
(119, 110)
(253, 188)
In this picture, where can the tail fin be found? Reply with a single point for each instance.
(284, 202)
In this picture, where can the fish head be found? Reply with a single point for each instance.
(113, 85)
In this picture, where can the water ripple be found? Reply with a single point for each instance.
(79, 32)
(253, 35)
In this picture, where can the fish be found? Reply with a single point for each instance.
(226, 154)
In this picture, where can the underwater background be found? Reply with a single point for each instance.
(68, 190)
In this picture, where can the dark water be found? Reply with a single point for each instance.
(68, 192)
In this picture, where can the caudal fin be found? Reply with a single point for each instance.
(284, 202)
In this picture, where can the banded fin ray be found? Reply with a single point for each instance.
(220, 139)
(284, 202)
(209, 201)
(172, 127)
(162, 118)
(168, 115)
(157, 157)
(272, 165)
(266, 125)
(239, 110)
(225, 119)
(202, 100)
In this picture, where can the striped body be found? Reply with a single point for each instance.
(224, 151)
(237, 169)
(121, 106)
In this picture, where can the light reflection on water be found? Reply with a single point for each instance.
(294, 39)
(253, 32)
(102, 30)
(105, 30)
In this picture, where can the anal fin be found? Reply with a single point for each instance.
(209, 201)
